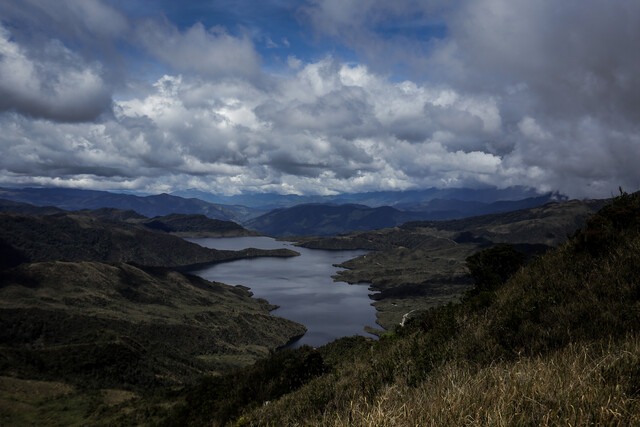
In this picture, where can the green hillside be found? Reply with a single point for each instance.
(92, 315)
(558, 343)
(71, 236)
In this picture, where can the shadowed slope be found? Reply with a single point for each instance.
(82, 237)
(119, 325)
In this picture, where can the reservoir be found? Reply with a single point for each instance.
(301, 286)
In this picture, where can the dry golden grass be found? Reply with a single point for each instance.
(31, 390)
(113, 397)
(580, 385)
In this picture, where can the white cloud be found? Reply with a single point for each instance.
(331, 127)
(293, 62)
(531, 130)
(209, 52)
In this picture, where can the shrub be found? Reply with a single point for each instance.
(492, 267)
(221, 399)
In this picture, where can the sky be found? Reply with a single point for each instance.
(320, 96)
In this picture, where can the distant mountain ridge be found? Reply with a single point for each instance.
(150, 206)
(318, 219)
(325, 220)
(270, 214)
(397, 199)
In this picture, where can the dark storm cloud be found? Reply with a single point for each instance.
(576, 56)
(575, 62)
(54, 84)
(84, 23)
(50, 58)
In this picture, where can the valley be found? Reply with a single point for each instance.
(102, 306)
(319, 213)
(100, 303)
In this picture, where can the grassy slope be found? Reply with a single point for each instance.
(83, 334)
(163, 320)
(558, 344)
(97, 336)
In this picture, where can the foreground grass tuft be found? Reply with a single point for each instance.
(584, 384)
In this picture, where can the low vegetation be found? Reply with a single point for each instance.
(555, 342)
(422, 264)
(85, 236)
(196, 226)
(532, 339)
(96, 322)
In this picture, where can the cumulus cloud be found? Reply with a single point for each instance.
(75, 20)
(211, 52)
(330, 127)
(490, 92)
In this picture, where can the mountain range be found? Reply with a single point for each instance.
(372, 199)
(149, 206)
(291, 215)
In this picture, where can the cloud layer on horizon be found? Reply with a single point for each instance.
(491, 92)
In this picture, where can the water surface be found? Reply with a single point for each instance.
(302, 286)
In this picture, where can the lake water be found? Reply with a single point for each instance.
(302, 286)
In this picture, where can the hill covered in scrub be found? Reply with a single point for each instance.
(325, 219)
(554, 342)
(81, 236)
(92, 312)
(117, 325)
(196, 226)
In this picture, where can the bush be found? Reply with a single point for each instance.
(221, 399)
(492, 267)
(601, 230)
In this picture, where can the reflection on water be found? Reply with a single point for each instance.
(302, 287)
